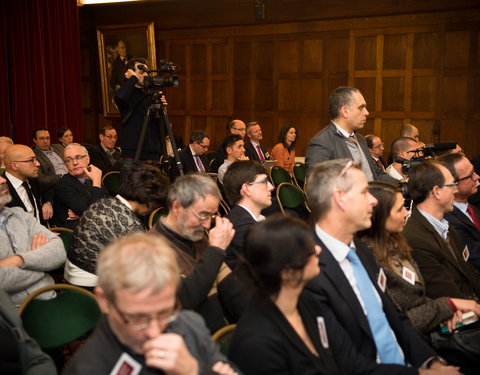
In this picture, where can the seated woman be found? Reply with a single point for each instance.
(279, 333)
(65, 136)
(284, 151)
(405, 284)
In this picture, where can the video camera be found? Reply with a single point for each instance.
(156, 82)
(424, 153)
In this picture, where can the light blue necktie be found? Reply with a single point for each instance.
(385, 342)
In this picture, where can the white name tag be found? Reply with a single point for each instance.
(466, 254)
(382, 280)
(408, 275)
(323, 331)
(126, 365)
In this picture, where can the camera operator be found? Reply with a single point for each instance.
(133, 104)
(402, 148)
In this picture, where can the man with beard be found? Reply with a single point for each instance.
(27, 251)
(208, 286)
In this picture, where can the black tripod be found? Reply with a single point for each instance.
(159, 112)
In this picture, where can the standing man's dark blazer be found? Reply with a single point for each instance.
(251, 152)
(444, 276)
(100, 159)
(71, 194)
(188, 163)
(347, 324)
(468, 232)
(329, 144)
(46, 172)
(241, 220)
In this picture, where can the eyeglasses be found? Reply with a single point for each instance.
(203, 146)
(76, 158)
(204, 217)
(266, 181)
(31, 160)
(466, 178)
(346, 168)
(43, 138)
(452, 185)
(378, 146)
(240, 129)
(141, 322)
(111, 136)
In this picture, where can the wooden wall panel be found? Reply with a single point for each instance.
(425, 53)
(395, 51)
(365, 52)
(393, 93)
(423, 93)
(457, 49)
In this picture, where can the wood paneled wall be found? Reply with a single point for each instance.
(422, 68)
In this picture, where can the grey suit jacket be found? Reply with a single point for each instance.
(328, 144)
(47, 175)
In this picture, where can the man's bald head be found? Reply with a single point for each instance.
(20, 161)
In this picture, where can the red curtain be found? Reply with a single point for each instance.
(40, 50)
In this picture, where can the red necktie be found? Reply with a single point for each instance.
(200, 166)
(473, 216)
(380, 164)
(260, 154)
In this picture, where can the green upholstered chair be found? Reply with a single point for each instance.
(299, 174)
(291, 200)
(112, 182)
(279, 175)
(223, 337)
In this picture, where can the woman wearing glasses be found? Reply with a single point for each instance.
(279, 333)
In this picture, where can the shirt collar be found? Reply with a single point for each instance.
(338, 249)
(16, 182)
(462, 206)
(441, 226)
(259, 218)
(124, 201)
(342, 131)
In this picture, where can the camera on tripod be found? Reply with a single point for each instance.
(155, 82)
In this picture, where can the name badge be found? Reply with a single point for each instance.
(126, 365)
(408, 275)
(466, 254)
(323, 331)
(382, 280)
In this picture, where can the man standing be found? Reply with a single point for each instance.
(143, 330)
(249, 191)
(208, 286)
(106, 156)
(21, 175)
(193, 156)
(253, 149)
(27, 251)
(402, 148)
(233, 127)
(350, 287)
(437, 248)
(338, 140)
(52, 167)
(375, 146)
(235, 150)
(77, 189)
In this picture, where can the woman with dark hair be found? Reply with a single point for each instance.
(279, 333)
(284, 151)
(65, 136)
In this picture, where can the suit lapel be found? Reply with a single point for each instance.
(464, 219)
(16, 200)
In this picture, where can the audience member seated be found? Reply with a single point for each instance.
(235, 150)
(144, 189)
(362, 324)
(21, 175)
(193, 156)
(65, 136)
(27, 251)
(284, 151)
(253, 149)
(376, 148)
(410, 131)
(437, 248)
(405, 284)
(143, 331)
(465, 218)
(50, 157)
(208, 286)
(233, 127)
(78, 189)
(402, 148)
(248, 191)
(5, 142)
(279, 333)
(106, 155)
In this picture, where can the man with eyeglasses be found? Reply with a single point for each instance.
(437, 247)
(143, 330)
(376, 148)
(77, 189)
(402, 150)
(249, 191)
(465, 218)
(208, 286)
(21, 174)
(193, 156)
(52, 167)
(106, 155)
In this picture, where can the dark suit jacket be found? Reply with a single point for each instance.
(468, 232)
(264, 342)
(71, 194)
(188, 163)
(100, 159)
(241, 221)
(444, 276)
(328, 144)
(347, 324)
(251, 152)
(46, 175)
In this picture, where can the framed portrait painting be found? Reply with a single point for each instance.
(116, 45)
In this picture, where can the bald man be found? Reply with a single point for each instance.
(411, 131)
(21, 172)
(4, 143)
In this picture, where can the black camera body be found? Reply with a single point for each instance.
(155, 81)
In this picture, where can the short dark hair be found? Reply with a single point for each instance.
(282, 133)
(369, 138)
(198, 135)
(272, 246)
(401, 144)
(133, 60)
(341, 96)
(230, 140)
(239, 173)
(250, 124)
(449, 161)
(34, 133)
(145, 184)
(423, 178)
(103, 131)
(61, 131)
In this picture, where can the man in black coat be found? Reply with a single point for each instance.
(106, 155)
(193, 156)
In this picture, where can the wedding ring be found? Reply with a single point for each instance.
(160, 353)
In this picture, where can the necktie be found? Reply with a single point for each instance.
(200, 166)
(471, 212)
(30, 197)
(379, 163)
(260, 154)
(352, 138)
(382, 334)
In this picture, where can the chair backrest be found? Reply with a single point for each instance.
(213, 166)
(112, 182)
(279, 175)
(223, 337)
(223, 208)
(155, 216)
(60, 320)
(65, 234)
(291, 200)
(299, 174)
